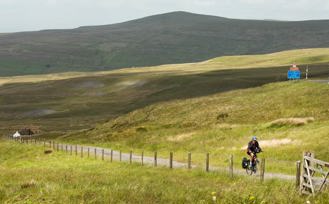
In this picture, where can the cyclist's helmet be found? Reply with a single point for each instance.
(254, 138)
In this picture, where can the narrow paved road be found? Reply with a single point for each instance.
(147, 160)
(323, 81)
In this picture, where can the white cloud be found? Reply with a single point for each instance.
(17, 15)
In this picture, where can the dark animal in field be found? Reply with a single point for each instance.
(26, 131)
(222, 116)
(48, 151)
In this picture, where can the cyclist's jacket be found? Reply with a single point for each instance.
(253, 147)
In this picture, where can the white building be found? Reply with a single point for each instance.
(16, 134)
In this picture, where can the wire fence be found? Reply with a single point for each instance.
(111, 155)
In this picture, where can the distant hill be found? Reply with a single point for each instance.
(176, 37)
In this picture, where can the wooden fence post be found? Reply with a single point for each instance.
(102, 154)
(111, 155)
(71, 150)
(171, 160)
(155, 159)
(131, 157)
(207, 162)
(303, 171)
(312, 155)
(95, 153)
(262, 170)
(88, 152)
(297, 174)
(231, 166)
(120, 156)
(66, 149)
(76, 150)
(189, 160)
(81, 149)
(142, 158)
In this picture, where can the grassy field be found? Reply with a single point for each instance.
(213, 106)
(203, 107)
(304, 56)
(30, 176)
(223, 123)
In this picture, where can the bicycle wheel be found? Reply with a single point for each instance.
(249, 170)
(255, 169)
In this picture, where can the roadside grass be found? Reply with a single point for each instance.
(30, 176)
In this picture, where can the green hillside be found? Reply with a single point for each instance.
(213, 106)
(63, 102)
(303, 56)
(223, 123)
(177, 37)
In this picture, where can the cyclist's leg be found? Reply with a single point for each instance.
(254, 159)
(251, 163)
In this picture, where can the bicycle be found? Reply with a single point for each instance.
(251, 168)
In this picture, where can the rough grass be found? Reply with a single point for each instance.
(30, 176)
(291, 122)
(222, 106)
(303, 56)
(81, 106)
(168, 126)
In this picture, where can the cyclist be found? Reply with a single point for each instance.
(252, 150)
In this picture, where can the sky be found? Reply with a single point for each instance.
(30, 15)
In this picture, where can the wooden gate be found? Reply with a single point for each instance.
(314, 175)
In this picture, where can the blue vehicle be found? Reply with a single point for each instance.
(294, 73)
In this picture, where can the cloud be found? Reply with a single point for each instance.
(18, 15)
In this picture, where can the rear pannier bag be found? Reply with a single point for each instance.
(245, 162)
